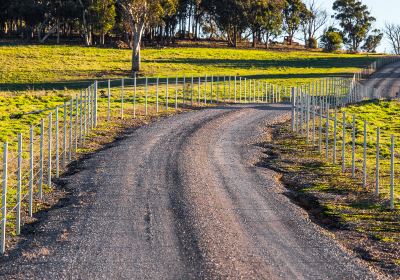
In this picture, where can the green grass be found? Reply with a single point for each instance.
(33, 77)
(72, 66)
(377, 114)
(358, 217)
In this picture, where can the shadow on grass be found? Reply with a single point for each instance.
(312, 62)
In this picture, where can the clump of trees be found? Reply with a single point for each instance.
(332, 40)
(161, 22)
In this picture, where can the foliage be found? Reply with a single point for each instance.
(294, 12)
(331, 40)
(355, 19)
(104, 16)
(372, 41)
(312, 43)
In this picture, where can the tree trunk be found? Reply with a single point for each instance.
(102, 38)
(58, 32)
(254, 40)
(235, 37)
(137, 38)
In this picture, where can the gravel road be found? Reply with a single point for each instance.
(181, 198)
(386, 80)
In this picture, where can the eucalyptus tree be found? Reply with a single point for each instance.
(355, 20)
(294, 13)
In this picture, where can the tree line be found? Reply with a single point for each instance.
(161, 22)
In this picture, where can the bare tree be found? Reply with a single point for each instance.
(315, 20)
(392, 32)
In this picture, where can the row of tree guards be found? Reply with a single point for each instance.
(43, 152)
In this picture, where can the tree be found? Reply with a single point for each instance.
(331, 40)
(355, 19)
(103, 12)
(314, 20)
(229, 16)
(392, 32)
(139, 13)
(272, 23)
(264, 17)
(294, 12)
(373, 41)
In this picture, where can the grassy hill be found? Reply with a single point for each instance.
(35, 77)
(72, 66)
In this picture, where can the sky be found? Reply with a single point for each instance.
(383, 10)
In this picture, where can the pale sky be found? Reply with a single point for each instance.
(382, 10)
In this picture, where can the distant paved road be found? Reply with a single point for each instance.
(182, 198)
(386, 81)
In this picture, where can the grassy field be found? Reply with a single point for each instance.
(357, 216)
(68, 66)
(36, 77)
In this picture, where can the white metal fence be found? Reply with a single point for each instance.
(35, 158)
(339, 138)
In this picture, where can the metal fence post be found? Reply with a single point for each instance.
(134, 96)
(57, 145)
(109, 101)
(344, 142)
(320, 129)
(327, 135)
(235, 88)
(183, 90)
(240, 89)
(334, 137)
(293, 109)
(313, 119)
(157, 94)
(176, 93)
(198, 90)
(122, 97)
(217, 89)
(95, 103)
(77, 121)
(41, 158)
(191, 92)
(245, 90)
(30, 192)
(308, 117)
(4, 199)
(64, 152)
(392, 173)
(19, 185)
(205, 90)
(146, 96)
(365, 156)
(81, 118)
(166, 94)
(70, 129)
(212, 88)
(353, 148)
(378, 132)
(49, 147)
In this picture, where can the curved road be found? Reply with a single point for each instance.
(181, 198)
(386, 80)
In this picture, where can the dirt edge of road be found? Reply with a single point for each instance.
(297, 173)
